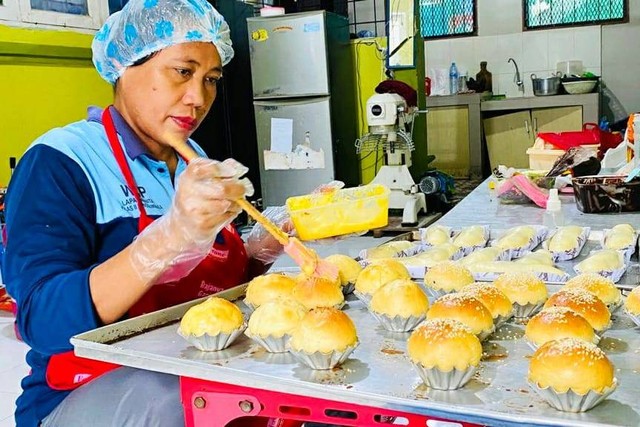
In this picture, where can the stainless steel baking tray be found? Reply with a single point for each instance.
(378, 373)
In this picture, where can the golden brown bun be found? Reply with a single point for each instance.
(470, 236)
(324, 330)
(516, 237)
(621, 236)
(389, 250)
(380, 273)
(444, 344)
(585, 304)
(395, 265)
(522, 288)
(212, 317)
(632, 303)
(463, 308)
(493, 298)
(558, 322)
(402, 298)
(565, 238)
(448, 276)
(348, 268)
(268, 287)
(600, 286)
(571, 364)
(276, 318)
(318, 292)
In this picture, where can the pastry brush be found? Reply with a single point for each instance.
(308, 260)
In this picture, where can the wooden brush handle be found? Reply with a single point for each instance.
(189, 154)
(273, 229)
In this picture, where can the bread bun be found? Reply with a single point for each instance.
(436, 235)
(604, 260)
(276, 318)
(348, 268)
(212, 317)
(470, 236)
(516, 237)
(268, 287)
(565, 238)
(388, 250)
(465, 309)
(621, 236)
(402, 298)
(380, 273)
(558, 322)
(598, 285)
(324, 330)
(487, 254)
(448, 276)
(522, 288)
(571, 364)
(632, 303)
(540, 256)
(498, 304)
(314, 292)
(395, 265)
(431, 256)
(585, 304)
(444, 344)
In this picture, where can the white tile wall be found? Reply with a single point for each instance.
(535, 52)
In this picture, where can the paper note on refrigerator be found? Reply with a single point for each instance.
(281, 135)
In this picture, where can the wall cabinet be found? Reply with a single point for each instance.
(448, 139)
(509, 135)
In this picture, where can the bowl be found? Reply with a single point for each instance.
(579, 87)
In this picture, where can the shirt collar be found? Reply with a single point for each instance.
(132, 144)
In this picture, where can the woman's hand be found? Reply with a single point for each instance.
(261, 245)
(204, 203)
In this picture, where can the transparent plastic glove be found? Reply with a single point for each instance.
(261, 245)
(328, 187)
(174, 244)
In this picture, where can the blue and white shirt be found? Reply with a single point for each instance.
(68, 209)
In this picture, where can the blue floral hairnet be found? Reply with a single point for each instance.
(143, 27)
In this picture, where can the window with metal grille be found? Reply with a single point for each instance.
(562, 13)
(367, 18)
(445, 18)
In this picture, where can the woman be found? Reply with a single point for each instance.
(97, 232)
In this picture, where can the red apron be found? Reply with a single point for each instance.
(224, 267)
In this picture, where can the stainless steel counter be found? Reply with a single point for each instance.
(480, 208)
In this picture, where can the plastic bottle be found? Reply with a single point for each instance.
(553, 216)
(453, 79)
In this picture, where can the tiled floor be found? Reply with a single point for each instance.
(12, 369)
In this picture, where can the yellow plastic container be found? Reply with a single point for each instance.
(345, 211)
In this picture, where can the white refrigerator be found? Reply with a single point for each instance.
(304, 102)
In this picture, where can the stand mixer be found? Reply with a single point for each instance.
(390, 124)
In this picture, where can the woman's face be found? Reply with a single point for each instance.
(171, 93)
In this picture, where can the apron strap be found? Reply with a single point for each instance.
(144, 219)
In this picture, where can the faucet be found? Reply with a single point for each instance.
(517, 78)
